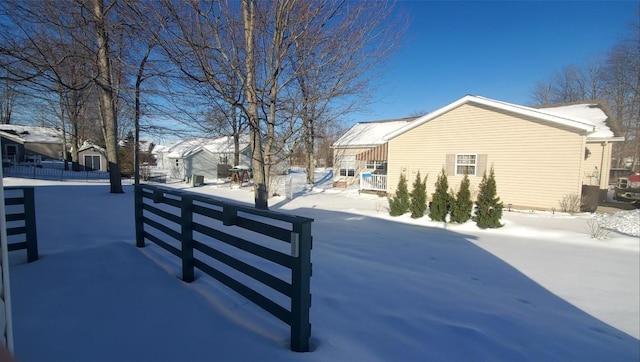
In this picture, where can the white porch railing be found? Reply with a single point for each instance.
(369, 181)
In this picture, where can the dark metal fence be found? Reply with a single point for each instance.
(54, 173)
(263, 255)
(21, 220)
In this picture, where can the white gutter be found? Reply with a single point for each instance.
(6, 287)
(605, 139)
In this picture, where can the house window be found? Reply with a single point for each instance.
(11, 150)
(466, 164)
(10, 153)
(375, 165)
(347, 165)
(224, 159)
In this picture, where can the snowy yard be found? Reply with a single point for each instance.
(384, 288)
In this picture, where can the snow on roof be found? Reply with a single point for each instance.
(186, 148)
(87, 145)
(591, 112)
(32, 134)
(370, 133)
(595, 128)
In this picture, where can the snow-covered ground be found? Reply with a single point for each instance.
(384, 288)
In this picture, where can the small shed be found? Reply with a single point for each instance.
(93, 158)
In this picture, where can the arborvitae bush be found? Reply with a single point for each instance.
(418, 197)
(439, 206)
(399, 203)
(462, 205)
(489, 210)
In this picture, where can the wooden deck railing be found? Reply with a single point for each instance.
(21, 220)
(223, 239)
(373, 182)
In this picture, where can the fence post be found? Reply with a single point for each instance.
(139, 216)
(229, 215)
(186, 216)
(30, 223)
(301, 283)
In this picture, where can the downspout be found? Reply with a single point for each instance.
(581, 169)
(605, 169)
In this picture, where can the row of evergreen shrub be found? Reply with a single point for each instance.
(445, 204)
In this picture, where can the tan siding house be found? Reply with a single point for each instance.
(539, 155)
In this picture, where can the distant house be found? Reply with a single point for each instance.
(200, 156)
(540, 155)
(29, 143)
(92, 157)
(363, 148)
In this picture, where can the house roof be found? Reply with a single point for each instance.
(595, 112)
(30, 134)
(368, 134)
(88, 145)
(186, 148)
(584, 118)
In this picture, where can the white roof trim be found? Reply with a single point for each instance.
(509, 107)
(605, 139)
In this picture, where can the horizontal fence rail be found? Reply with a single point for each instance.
(263, 255)
(54, 172)
(21, 220)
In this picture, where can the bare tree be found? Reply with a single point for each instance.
(104, 82)
(336, 46)
(47, 48)
(8, 97)
(616, 79)
(279, 64)
(213, 46)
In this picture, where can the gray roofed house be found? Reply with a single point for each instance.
(29, 143)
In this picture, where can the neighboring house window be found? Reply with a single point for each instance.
(347, 165)
(375, 165)
(11, 150)
(11, 153)
(466, 164)
(224, 159)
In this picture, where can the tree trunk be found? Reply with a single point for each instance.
(75, 162)
(308, 143)
(257, 161)
(109, 118)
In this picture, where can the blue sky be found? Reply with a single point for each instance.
(496, 49)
